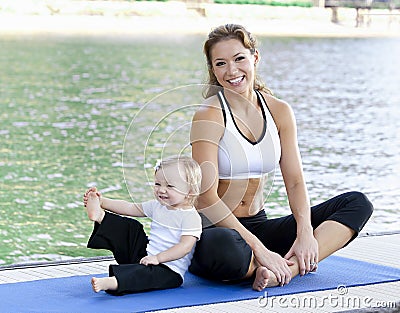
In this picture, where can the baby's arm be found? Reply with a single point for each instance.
(121, 207)
(177, 251)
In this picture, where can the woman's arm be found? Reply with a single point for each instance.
(176, 252)
(305, 247)
(207, 130)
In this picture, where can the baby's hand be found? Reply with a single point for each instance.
(88, 192)
(150, 259)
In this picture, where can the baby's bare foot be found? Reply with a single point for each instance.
(93, 209)
(264, 278)
(105, 283)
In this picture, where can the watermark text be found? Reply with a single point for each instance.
(340, 298)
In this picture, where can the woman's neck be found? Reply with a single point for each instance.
(243, 102)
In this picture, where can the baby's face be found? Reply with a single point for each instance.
(170, 186)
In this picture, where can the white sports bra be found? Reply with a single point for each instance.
(241, 158)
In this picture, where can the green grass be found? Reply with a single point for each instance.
(305, 4)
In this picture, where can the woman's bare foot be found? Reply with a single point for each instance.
(93, 208)
(105, 283)
(264, 278)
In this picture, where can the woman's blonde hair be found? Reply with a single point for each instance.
(192, 174)
(226, 32)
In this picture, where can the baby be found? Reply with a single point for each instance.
(160, 260)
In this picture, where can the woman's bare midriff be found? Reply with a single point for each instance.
(243, 196)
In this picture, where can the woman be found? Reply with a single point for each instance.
(240, 135)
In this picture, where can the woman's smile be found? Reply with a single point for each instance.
(236, 81)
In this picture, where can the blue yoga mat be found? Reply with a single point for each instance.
(74, 294)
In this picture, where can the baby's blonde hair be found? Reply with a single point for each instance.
(192, 173)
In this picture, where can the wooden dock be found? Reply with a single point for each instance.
(380, 249)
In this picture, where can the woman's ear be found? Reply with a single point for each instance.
(256, 56)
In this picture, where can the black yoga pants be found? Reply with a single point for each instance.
(222, 254)
(126, 239)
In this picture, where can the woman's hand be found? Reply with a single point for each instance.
(149, 259)
(275, 263)
(305, 248)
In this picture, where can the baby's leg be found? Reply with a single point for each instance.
(104, 283)
(93, 209)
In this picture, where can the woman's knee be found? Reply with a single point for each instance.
(221, 254)
(219, 243)
(352, 209)
(361, 203)
(356, 213)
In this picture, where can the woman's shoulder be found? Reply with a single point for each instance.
(281, 111)
(208, 122)
(209, 110)
(274, 103)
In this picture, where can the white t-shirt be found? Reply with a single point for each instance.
(167, 227)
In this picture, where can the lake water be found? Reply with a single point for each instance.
(68, 104)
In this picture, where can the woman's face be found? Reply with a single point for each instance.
(234, 65)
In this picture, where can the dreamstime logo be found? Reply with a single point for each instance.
(339, 299)
(164, 127)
